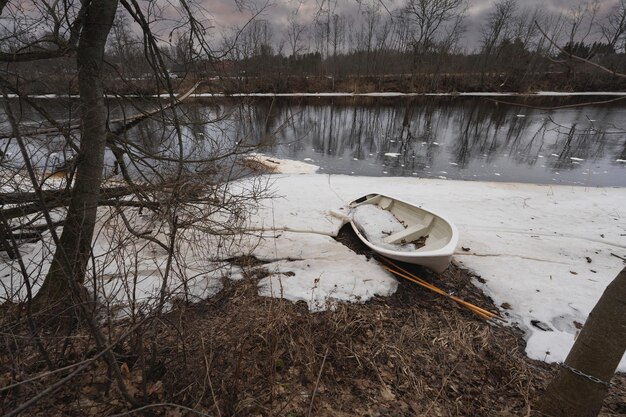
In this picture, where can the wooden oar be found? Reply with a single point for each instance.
(411, 277)
(486, 314)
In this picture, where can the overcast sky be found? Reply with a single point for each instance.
(226, 13)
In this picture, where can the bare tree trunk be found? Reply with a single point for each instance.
(72, 254)
(596, 353)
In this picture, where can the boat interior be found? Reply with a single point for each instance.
(417, 222)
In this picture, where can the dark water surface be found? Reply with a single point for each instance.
(469, 138)
(457, 138)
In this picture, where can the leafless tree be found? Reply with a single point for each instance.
(296, 34)
(123, 45)
(614, 27)
(581, 19)
(499, 26)
(166, 190)
(183, 53)
(321, 30)
(524, 26)
(429, 18)
(402, 31)
(338, 24)
(368, 32)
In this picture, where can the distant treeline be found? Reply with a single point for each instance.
(413, 48)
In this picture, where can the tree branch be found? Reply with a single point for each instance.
(578, 58)
(52, 199)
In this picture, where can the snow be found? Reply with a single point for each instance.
(580, 93)
(377, 224)
(387, 94)
(130, 271)
(530, 245)
(284, 166)
(407, 94)
(392, 154)
(320, 271)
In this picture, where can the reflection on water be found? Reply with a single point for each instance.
(455, 138)
(433, 137)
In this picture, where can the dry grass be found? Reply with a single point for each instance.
(410, 354)
(238, 354)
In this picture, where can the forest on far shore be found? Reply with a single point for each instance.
(409, 49)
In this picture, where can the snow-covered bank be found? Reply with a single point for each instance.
(400, 94)
(543, 252)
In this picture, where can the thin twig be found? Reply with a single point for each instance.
(319, 376)
(171, 405)
(567, 106)
(45, 374)
(208, 375)
(617, 256)
(578, 58)
(60, 383)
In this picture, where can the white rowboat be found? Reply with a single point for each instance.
(392, 228)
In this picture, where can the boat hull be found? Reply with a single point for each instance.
(436, 254)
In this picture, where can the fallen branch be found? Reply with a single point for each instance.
(53, 199)
(578, 58)
(567, 106)
(128, 122)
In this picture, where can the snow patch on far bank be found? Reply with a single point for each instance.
(262, 162)
(387, 94)
(393, 94)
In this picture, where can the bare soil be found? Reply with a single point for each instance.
(238, 354)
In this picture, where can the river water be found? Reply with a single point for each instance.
(542, 141)
(456, 138)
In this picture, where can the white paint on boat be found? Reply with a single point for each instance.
(441, 234)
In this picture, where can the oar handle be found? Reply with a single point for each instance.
(410, 277)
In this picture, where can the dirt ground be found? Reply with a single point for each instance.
(238, 354)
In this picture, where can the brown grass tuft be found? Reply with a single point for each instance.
(413, 353)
